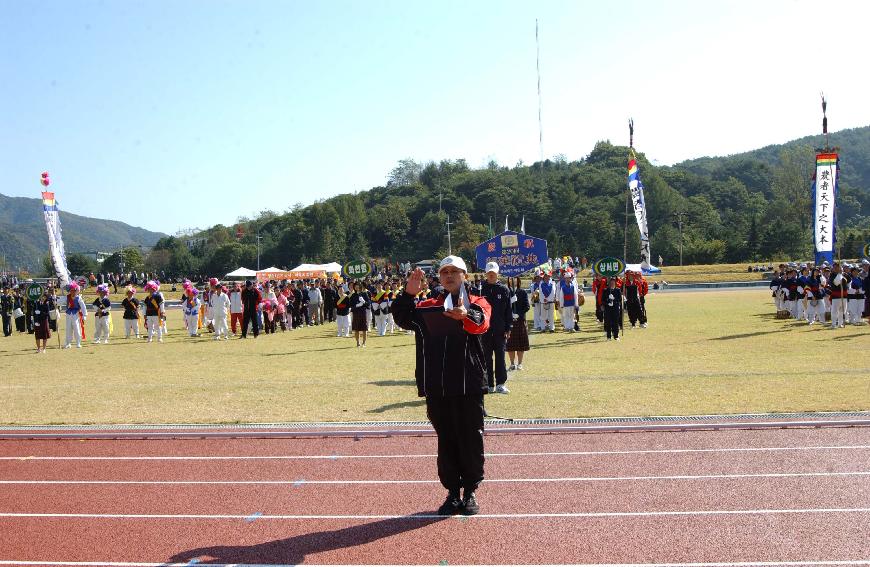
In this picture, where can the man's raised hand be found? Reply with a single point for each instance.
(415, 282)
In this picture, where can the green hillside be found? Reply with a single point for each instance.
(23, 239)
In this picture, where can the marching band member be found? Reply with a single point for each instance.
(102, 307)
(567, 299)
(632, 297)
(131, 313)
(856, 296)
(76, 315)
(612, 304)
(380, 307)
(838, 285)
(342, 313)
(815, 295)
(599, 286)
(802, 280)
(220, 305)
(537, 308)
(548, 300)
(791, 287)
(154, 311)
(391, 295)
(190, 308)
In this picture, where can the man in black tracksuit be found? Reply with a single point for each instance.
(498, 297)
(250, 300)
(450, 375)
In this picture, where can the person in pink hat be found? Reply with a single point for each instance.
(102, 309)
(76, 315)
(153, 311)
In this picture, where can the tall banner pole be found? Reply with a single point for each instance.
(635, 187)
(824, 191)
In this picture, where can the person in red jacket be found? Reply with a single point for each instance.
(451, 375)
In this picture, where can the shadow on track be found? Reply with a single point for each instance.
(294, 550)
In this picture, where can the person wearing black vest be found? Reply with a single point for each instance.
(500, 323)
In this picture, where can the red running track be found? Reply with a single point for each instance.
(732, 497)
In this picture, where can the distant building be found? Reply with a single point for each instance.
(194, 242)
(98, 256)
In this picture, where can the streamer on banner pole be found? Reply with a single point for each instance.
(55, 238)
(825, 196)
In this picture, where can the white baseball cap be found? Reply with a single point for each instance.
(492, 267)
(454, 261)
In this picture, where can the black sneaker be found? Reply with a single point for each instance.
(469, 505)
(452, 505)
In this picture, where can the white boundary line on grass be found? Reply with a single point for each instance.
(300, 482)
(191, 563)
(246, 517)
(424, 455)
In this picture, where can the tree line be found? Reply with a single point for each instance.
(739, 209)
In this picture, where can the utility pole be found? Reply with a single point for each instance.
(680, 216)
(449, 243)
(258, 250)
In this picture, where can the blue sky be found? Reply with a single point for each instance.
(170, 115)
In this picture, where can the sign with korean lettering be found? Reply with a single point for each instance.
(609, 267)
(514, 253)
(825, 194)
(265, 276)
(358, 269)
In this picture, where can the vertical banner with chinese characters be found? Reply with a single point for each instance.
(636, 187)
(55, 239)
(824, 197)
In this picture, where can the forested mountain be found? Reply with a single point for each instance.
(23, 240)
(747, 207)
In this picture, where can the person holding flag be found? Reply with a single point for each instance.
(76, 315)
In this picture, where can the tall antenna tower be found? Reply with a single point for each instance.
(538, 66)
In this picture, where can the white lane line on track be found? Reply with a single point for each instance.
(718, 564)
(423, 455)
(298, 482)
(436, 516)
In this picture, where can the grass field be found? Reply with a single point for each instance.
(707, 352)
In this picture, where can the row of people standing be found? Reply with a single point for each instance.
(815, 294)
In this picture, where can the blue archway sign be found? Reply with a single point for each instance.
(514, 253)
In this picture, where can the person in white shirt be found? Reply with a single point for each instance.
(315, 298)
(547, 295)
(220, 303)
(236, 309)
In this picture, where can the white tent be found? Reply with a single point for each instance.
(329, 268)
(241, 273)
